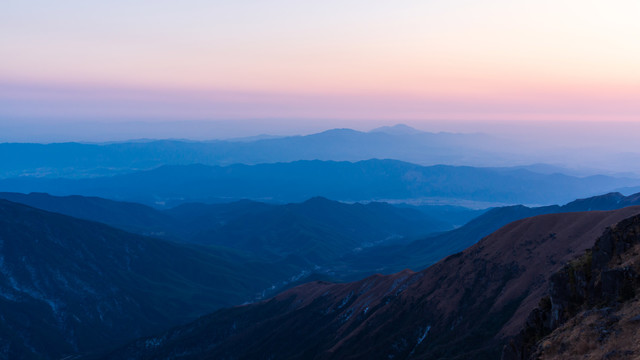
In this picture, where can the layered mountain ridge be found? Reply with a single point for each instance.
(425, 251)
(81, 281)
(369, 180)
(316, 231)
(403, 143)
(466, 306)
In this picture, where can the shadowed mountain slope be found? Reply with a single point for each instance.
(610, 201)
(426, 251)
(72, 286)
(317, 230)
(465, 306)
(347, 241)
(132, 217)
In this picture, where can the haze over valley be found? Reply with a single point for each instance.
(319, 180)
(106, 247)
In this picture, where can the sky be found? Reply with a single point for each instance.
(319, 62)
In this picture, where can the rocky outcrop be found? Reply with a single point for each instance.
(603, 279)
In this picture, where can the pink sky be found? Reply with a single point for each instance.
(358, 60)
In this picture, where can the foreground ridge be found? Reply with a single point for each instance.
(466, 306)
(595, 296)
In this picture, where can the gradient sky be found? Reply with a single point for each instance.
(355, 60)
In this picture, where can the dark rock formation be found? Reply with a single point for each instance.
(601, 279)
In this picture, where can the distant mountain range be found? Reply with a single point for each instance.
(379, 180)
(400, 142)
(467, 306)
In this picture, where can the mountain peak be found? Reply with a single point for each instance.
(398, 129)
(337, 131)
(603, 202)
(319, 200)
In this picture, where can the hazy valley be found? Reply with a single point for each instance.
(301, 247)
(300, 180)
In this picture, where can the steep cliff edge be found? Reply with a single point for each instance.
(592, 310)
